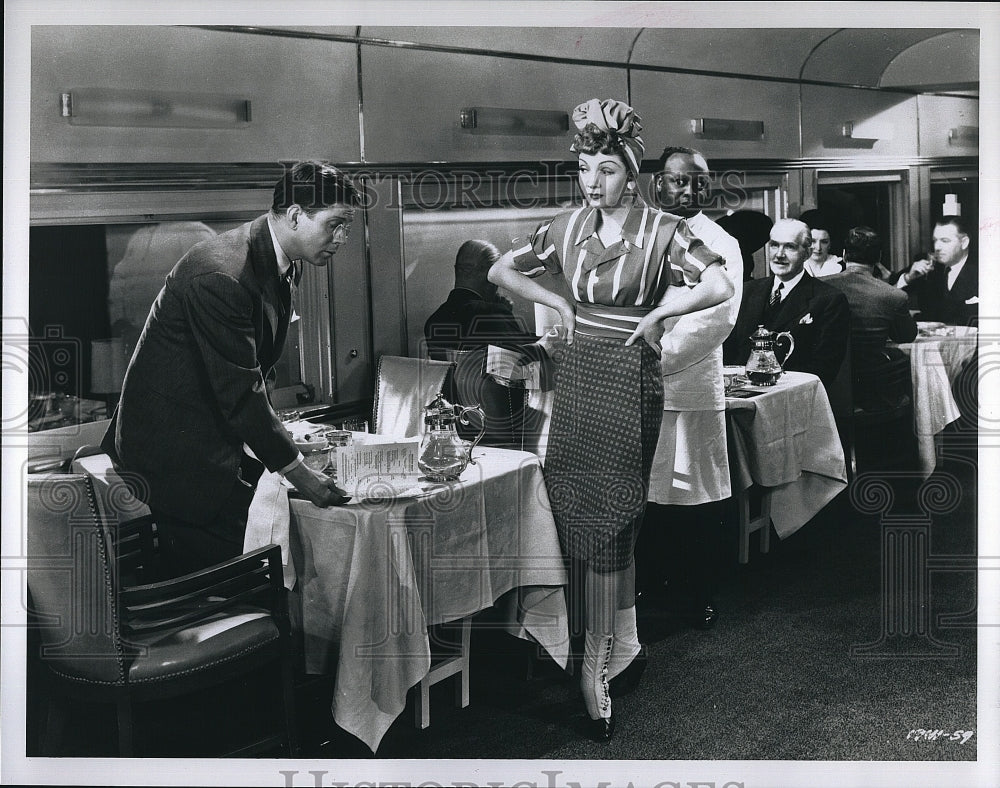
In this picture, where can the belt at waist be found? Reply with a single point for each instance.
(609, 321)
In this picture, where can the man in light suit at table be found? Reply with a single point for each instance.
(816, 314)
(195, 394)
(681, 536)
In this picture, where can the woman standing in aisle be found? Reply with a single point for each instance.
(628, 267)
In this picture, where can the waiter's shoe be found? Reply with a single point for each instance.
(703, 616)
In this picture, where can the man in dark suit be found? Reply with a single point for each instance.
(816, 315)
(879, 312)
(474, 315)
(947, 287)
(194, 394)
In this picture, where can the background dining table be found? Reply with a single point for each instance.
(371, 576)
(784, 438)
(937, 356)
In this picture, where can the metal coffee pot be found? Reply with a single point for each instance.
(443, 455)
(763, 368)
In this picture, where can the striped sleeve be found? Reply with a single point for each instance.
(538, 254)
(688, 256)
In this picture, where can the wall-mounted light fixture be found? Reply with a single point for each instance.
(112, 107)
(519, 122)
(865, 131)
(963, 135)
(726, 129)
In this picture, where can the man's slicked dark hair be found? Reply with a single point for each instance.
(960, 224)
(314, 186)
(862, 246)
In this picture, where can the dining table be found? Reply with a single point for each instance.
(937, 356)
(782, 438)
(370, 578)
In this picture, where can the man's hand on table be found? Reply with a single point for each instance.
(319, 489)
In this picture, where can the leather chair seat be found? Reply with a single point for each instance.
(219, 640)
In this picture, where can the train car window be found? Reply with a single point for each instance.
(92, 287)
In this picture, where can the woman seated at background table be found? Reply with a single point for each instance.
(625, 264)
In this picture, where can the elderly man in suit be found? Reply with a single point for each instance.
(947, 287)
(194, 394)
(681, 538)
(816, 314)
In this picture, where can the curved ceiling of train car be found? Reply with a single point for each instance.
(919, 59)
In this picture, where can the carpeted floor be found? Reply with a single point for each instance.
(791, 672)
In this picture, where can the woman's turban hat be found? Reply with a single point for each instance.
(619, 120)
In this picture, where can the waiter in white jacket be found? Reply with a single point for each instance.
(680, 546)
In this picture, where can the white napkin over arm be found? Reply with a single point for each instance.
(268, 521)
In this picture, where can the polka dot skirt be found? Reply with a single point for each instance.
(605, 424)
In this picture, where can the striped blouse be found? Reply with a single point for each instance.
(656, 250)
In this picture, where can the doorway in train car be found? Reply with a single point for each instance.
(875, 199)
(869, 204)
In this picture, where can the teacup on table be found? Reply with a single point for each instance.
(735, 377)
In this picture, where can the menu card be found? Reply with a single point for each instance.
(377, 469)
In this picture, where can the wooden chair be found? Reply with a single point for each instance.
(883, 415)
(403, 387)
(453, 659)
(134, 536)
(103, 641)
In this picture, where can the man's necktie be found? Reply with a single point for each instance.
(289, 282)
(775, 301)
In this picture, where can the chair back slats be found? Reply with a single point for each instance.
(254, 579)
(136, 551)
(70, 577)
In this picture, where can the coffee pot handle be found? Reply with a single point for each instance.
(463, 418)
(791, 345)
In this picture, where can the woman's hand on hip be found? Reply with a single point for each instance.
(650, 329)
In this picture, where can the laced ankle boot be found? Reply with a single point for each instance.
(594, 685)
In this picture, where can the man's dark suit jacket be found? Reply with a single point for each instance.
(879, 312)
(816, 315)
(194, 391)
(465, 321)
(937, 302)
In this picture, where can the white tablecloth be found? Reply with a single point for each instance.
(785, 438)
(372, 576)
(934, 365)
